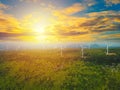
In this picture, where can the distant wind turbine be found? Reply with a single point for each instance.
(107, 51)
(82, 51)
(61, 51)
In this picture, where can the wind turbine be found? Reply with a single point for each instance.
(107, 50)
(61, 51)
(82, 52)
(108, 53)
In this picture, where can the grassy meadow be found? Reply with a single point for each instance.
(48, 70)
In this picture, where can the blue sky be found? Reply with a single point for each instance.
(98, 6)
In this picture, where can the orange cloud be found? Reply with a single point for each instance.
(75, 28)
(65, 12)
(61, 26)
(77, 7)
(8, 23)
(10, 28)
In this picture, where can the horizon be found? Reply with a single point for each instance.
(32, 46)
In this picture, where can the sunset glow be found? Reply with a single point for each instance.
(39, 28)
(76, 21)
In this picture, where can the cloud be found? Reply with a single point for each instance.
(8, 23)
(87, 26)
(88, 2)
(68, 29)
(111, 2)
(63, 13)
(103, 21)
(77, 7)
(13, 29)
(104, 13)
(3, 6)
(10, 28)
(63, 25)
(29, 0)
(5, 34)
(109, 36)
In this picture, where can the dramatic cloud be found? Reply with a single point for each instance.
(70, 23)
(91, 24)
(104, 21)
(11, 29)
(8, 23)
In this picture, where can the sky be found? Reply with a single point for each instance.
(53, 21)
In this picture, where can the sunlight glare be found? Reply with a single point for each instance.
(39, 28)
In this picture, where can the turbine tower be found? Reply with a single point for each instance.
(109, 53)
(61, 51)
(107, 50)
(82, 51)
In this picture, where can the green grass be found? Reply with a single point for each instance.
(47, 70)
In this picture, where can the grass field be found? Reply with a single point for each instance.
(47, 70)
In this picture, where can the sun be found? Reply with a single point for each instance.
(39, 28)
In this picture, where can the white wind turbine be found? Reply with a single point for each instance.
(107, 51)
(82, 51)
(61, 51)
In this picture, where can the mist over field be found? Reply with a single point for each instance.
(30, 45)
